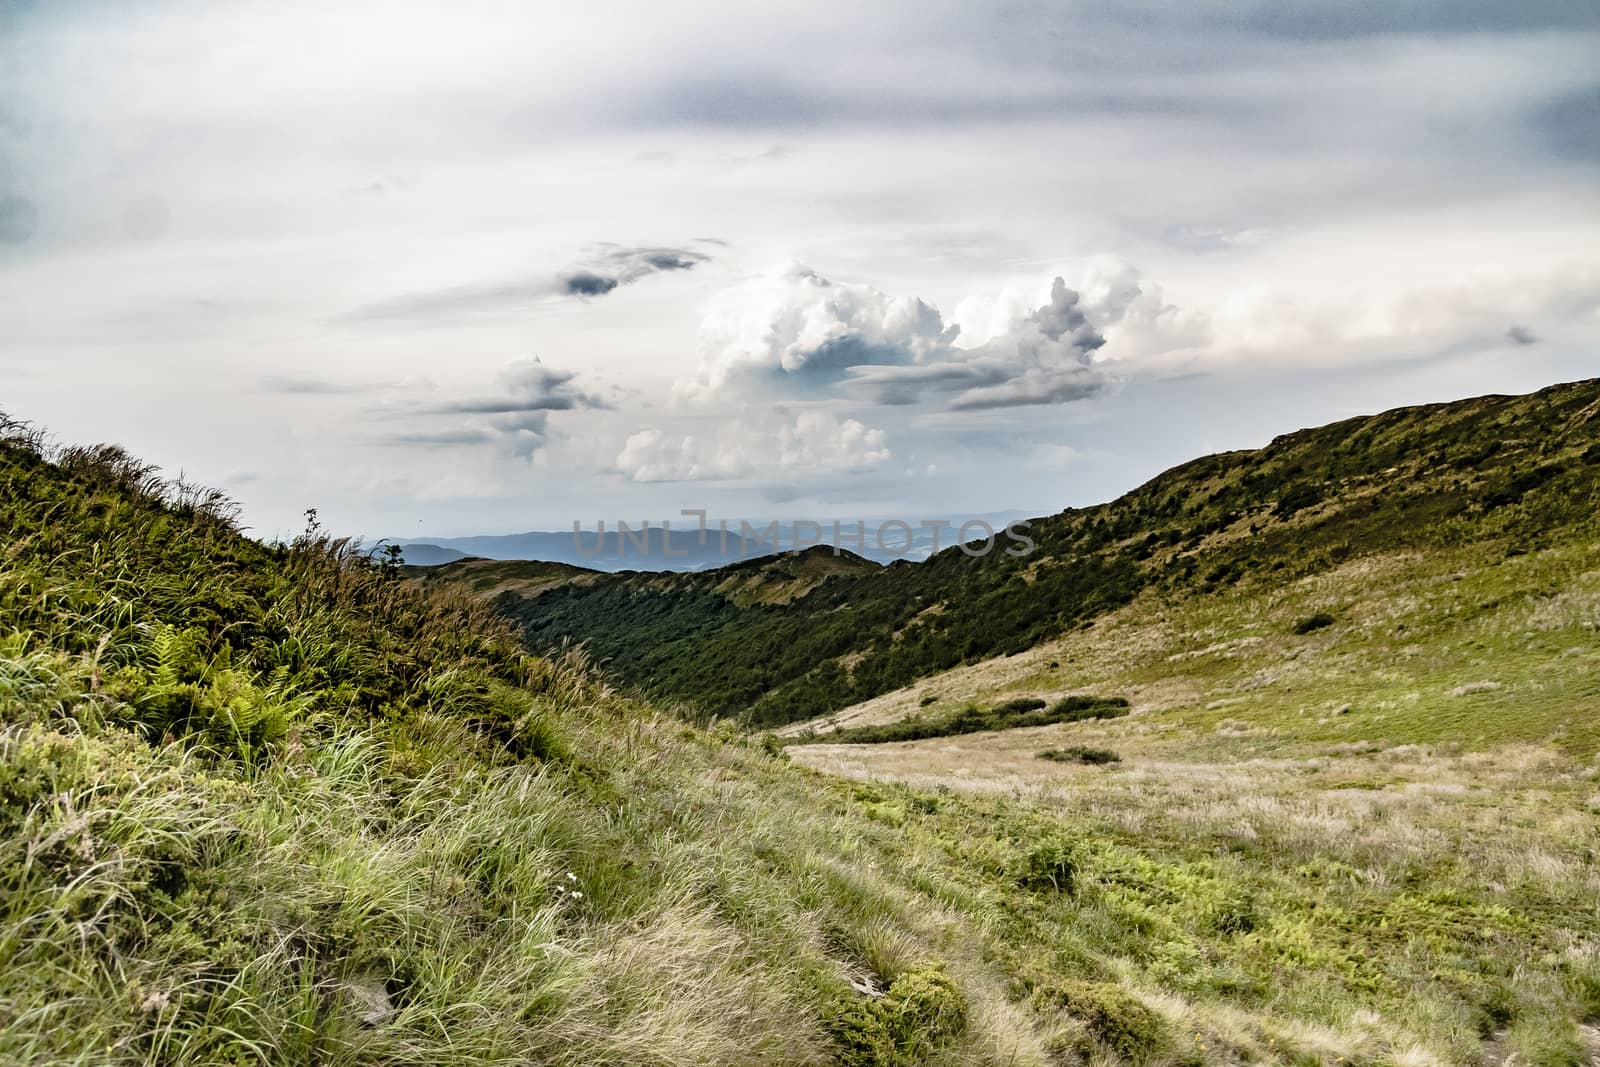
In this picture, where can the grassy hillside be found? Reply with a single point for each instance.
(1519, 472)
(488, 578)
(272, 804)
(1400, 801)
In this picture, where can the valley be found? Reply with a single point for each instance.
(1322, 785)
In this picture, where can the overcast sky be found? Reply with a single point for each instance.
(484, 267)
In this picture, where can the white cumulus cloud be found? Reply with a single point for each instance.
(812, 442)
(794, 332)
(796, 329)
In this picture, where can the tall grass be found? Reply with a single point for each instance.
(265, 803)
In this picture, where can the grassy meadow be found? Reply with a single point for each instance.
(1391, 819)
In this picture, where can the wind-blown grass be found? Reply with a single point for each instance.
(270, 804)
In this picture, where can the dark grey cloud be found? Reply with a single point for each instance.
(514, 419)
(526, 386)
(19, 219)
(900, 386)
(613, 266)
(1569, 127)
(1063, 317)
(588, 283)
(1314, 20)
(1042, 385)
(1521, 335)
(437, 438)
(604, 269)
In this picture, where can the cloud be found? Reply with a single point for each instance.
(1371, 318)
(514, 419)
(294, 386)
(615, 266)
(438, 438)
(456, 301)
(793, 329)
(588, 283)
(19, 218)
(1569, 125)
(811, 442)
(527, 385)
(796, 331)
(604, 269)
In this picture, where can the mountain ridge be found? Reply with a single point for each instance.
(1306, 500)
(271, 803)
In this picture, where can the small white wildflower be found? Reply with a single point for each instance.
(571, 877)
(576, 895)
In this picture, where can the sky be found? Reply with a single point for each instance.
(485, 267)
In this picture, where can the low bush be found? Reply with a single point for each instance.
(1114, 1018)
(1050, 865)
(921, 1010)
(1080, 754)
(1081, 708)
(1312, 623)
(1011, 715)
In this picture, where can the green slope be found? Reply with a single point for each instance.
(272, 804)
(1519, 471)
(488, 578)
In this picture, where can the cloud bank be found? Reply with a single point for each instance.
(794, 332)
(811, 442)
(606, 268)
(513, 419)
(615, 266)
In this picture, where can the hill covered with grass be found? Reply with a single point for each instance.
(274, 803)
(488, 578)
(1520, 472)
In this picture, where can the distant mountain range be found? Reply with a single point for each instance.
(682, 547)
(778, 642)
(425, 555)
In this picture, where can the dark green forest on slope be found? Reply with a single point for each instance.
(1518, 470)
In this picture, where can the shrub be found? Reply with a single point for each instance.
(922, 1010)
(1026, 711)
(1082, 708)
(1513, 489)
(1051, 865)
(1312, 623)
(1018, 706)
(1080, 754)
(1113, 1017)
(928, 698)
(1296, 500)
